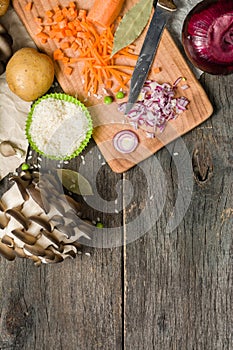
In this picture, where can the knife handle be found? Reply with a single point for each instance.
(167, 5)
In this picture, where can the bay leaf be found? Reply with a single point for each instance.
(132, 24)
(74, 182)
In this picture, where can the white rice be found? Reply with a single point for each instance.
(58, 127)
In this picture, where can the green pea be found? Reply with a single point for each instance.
(108, 100)
(120, 94)
(99, 225)
(25, 166)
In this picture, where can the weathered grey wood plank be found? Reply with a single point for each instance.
(178, 285)
(73, 305)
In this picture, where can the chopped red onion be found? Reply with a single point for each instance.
(156, 105)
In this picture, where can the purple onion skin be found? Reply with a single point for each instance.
(207, 36)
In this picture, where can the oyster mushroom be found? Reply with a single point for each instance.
(52, 236)
(20, 252)
(5, 47)
(8, 149)
(8, 241)
(72, 203)
(49, 254)
(36, 195)
(4, 220)
(19, 217)
(66, 229)
(57, 219)
(35, 249)
(42, 222)
(21, 186)
(24, 236)
(37, 227)
(2, 207)
(7, 251)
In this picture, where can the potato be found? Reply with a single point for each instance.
(29, 73)
(4, 4)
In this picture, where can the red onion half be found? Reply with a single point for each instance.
(207, 36)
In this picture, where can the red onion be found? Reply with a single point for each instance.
(207, 36)
(157, 104)
(125, 141)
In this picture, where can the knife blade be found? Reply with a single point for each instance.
(162, 11)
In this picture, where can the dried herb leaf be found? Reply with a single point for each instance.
(132, 24)
(74, 182)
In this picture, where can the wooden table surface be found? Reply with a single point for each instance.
(171, 288)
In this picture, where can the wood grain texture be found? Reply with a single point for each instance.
(178, 285)
(166, 290)
(107, 119)
(75, 305)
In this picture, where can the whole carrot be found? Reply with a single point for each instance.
(105, 12)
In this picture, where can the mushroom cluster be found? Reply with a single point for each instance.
(5, 48)
(7, 149)
(38, 221)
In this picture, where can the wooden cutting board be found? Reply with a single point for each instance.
(106, 118)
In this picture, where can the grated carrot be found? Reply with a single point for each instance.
(156, 70)
(65, 45)
(49, 13)
(59, 18)
(38, 19)
(88, 47)
(65, 60)
(68, 70)
(58, 54)
(28, 6)
(82, 14)
(72, 4)
(74, 46)
(42, 35)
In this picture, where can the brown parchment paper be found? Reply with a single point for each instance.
(13, 110)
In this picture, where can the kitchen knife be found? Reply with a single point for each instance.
(162, 11)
